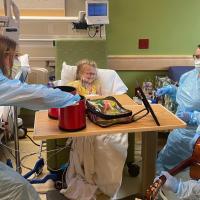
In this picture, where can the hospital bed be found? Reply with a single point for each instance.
(71, 50)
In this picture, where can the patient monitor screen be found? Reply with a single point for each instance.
(95, 9)
(97, 12)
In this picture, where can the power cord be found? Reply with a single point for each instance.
(96, 28)
(33, 141)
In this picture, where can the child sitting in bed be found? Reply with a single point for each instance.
(87, 175)
(86, 81)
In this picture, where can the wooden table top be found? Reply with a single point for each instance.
(46, 128)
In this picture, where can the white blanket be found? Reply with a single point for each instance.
(96, 164)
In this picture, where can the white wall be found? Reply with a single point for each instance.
(36, 36)
(74, 6)
(38, 4)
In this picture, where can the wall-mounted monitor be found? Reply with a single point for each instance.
(97, 12)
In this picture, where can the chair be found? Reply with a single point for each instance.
(175, 72)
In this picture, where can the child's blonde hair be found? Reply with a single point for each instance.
(80, 67)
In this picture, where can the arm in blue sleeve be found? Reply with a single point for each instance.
(172, 91)
(32, 96)
(195, 118)
(192, 118)
(167, 90)
(189, 190)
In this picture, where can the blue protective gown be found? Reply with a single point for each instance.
(14, 187)
(35, 97)
(189, 190)
(32, 96)
(178, 147)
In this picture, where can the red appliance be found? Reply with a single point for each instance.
(54, 112)
(73, 118)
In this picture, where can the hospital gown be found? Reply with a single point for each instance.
(34, 97)
(177, 147)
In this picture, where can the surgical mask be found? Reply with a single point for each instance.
(197, 64)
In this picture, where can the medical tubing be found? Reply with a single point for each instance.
(25, 167)
(63, 177)
(3, 153)
(26, 152)
(33, 153)
(9, 150)
(52, 156)
(33, 141)
(96, 31)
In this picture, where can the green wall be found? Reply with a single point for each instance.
(172, 27)
(73, 50)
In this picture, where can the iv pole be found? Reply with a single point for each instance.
(13, 24)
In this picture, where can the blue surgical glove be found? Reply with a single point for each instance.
(185, 116)
(168, 90)
(162, 91)
(196, 117)
(171, 183)
(76, 97)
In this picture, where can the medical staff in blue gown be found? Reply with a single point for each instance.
(14, 93)
(187, 96)
(184, 190)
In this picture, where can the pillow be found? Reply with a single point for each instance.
(68, 73)
(109, 80)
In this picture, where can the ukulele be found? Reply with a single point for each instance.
(193, 161)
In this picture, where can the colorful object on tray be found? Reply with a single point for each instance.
(108, 107)
(108, 111)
